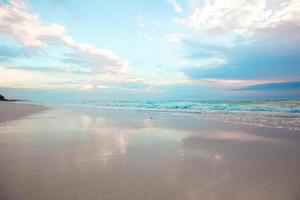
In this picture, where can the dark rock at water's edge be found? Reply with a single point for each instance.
(2, 98)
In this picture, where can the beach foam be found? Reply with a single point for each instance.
(276, 114)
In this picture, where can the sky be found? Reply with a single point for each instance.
(159, 49)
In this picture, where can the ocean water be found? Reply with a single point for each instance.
(275, 114)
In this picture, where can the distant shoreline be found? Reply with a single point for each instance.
(3, 98)
(12, 111)
(270, 114)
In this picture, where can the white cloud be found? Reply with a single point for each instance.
(235, 83)
(13, 75)
(243, 16)
(176, 6)
(230, 83)
(206, 63)
(19, 77)
(20, 23)
(104, 60)
(16, 20)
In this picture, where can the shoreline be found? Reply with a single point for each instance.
(22, 109)
(83, 153)
(13, 111)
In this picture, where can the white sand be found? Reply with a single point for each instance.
(11, 111)
(124, 155)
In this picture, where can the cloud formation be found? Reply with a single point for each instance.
(259, 60)
(257, 41)
(20, 23)
(243, 16)
(274, 86)
(254, 42)
(10, 75)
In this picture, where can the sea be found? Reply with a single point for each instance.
(284, 114)
(273, 114)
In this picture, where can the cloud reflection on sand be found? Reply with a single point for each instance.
(146, 132)
(235, 136)
(142, 155)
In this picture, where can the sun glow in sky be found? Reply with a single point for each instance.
(169, 48)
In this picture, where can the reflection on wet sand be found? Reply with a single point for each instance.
(88, 154)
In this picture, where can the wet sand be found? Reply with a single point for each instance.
(77, 153)
(12, 111)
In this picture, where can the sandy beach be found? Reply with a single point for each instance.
(84, 153)
(12, 111)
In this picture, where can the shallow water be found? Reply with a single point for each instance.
(276, 114)
(83, 153)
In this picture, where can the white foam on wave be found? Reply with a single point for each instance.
(275, 114)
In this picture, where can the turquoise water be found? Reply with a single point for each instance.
(202, 106)
(274, 114)
(188, 106)
(89, 99)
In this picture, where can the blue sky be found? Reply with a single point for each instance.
(174, 49)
